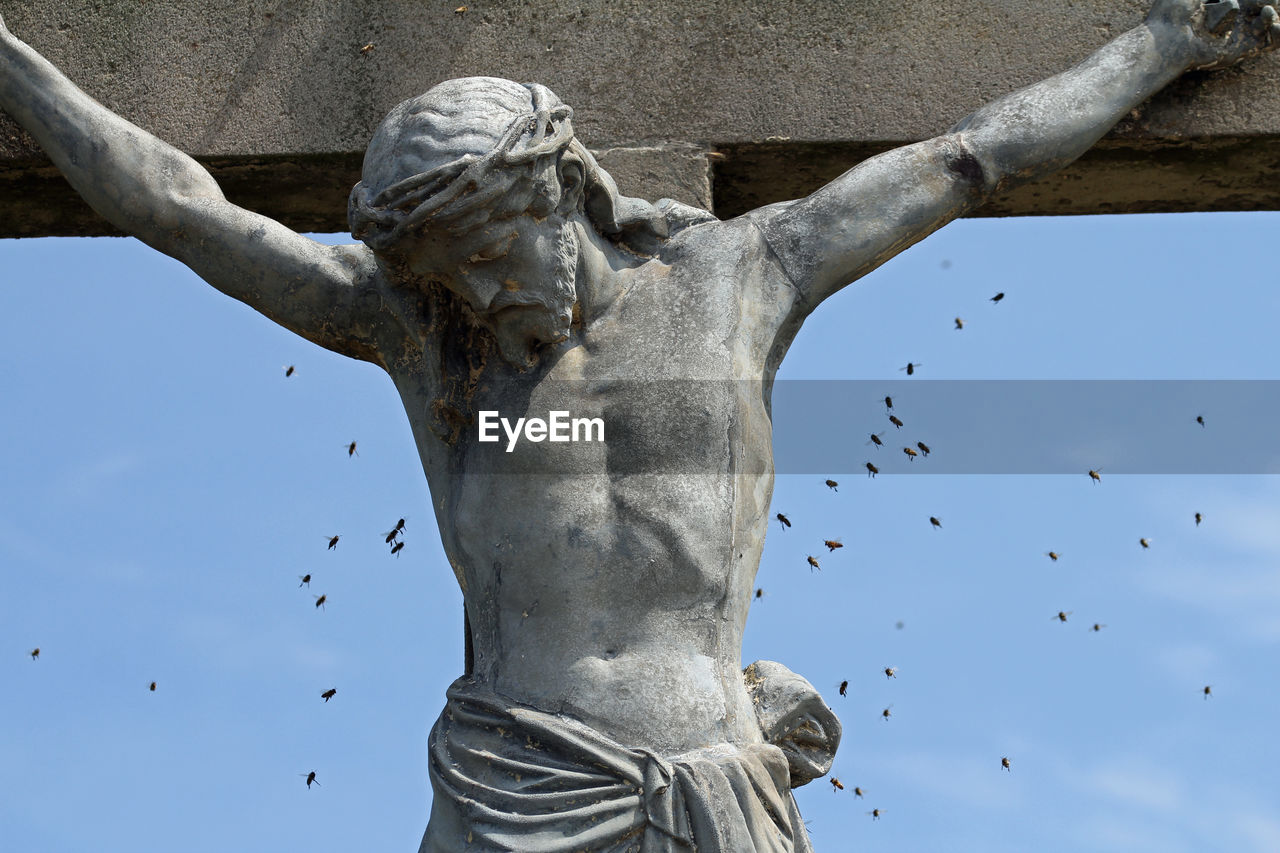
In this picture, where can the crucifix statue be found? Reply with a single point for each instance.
(606, 583)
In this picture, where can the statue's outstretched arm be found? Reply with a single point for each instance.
(151, 190)
(889, 202)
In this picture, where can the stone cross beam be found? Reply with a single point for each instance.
(719, 103)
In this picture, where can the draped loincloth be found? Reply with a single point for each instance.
(509, 777)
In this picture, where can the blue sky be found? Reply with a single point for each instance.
(165, 485)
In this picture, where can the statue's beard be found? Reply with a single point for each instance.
(526, 319)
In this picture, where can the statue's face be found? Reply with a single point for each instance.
(517, 274)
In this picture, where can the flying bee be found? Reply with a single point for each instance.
(333, 541)
(997, 297)
(1199, 518)
(911, 367)
(875, 439)
(813, 563)
(784, 521)
(306, 581)
(831, 484)
(152, 687)
(399, 528)
(367, 48)
(1208, 690)
(288, 371)
(320, 600)
(1093, 475)
(1004, 762)
(872, 470)
(759, 592)
(1062, 615)
(836, 785)
(890, 672)
(875, 813)
(1097, 626)
(911, 454)
(857, 792)
(844, 687)
(924, 448)
(391, 537)
(396, 548)
(832, 544)
(35, 653)
(933, 519)
(893, 419)
(311, 777)
(1144, 542)
(959, 324)
(1052, 555)
(329, 694)
(1200, 420)
(885, 715)
(351, 450)
(888, 403)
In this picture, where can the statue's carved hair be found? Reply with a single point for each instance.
(478, 149)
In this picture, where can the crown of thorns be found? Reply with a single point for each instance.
(469, 190)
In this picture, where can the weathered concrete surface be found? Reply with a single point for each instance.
(279, 98)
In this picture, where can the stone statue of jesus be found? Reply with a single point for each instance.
(604, 706)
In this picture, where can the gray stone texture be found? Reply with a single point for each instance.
(279, 98)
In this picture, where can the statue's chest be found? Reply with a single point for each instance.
(669, 374)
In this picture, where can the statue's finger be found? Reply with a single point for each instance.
(1220, 15)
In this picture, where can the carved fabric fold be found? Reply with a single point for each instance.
(508, 777)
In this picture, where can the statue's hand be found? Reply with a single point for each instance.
(1218, 33)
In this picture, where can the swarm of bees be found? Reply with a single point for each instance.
(921, 450)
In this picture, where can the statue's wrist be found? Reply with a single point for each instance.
(1178, 45)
